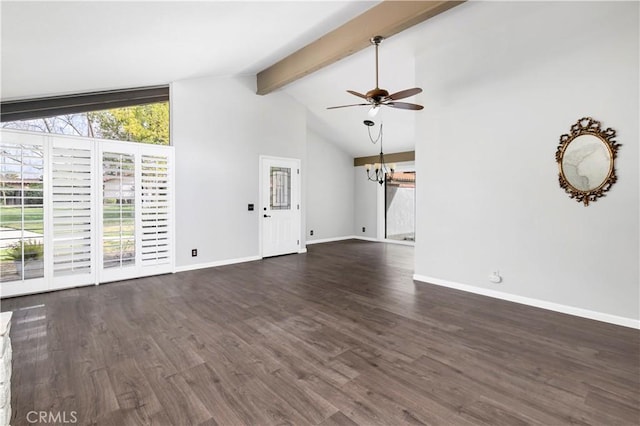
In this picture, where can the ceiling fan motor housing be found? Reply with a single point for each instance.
(377, 95)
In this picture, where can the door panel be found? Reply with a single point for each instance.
(137, 214)
(280, 194)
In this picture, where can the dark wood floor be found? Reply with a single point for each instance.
(339, 336)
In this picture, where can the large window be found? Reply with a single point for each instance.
(135, 115)
(89, 208)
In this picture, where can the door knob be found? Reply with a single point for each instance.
(266, 215)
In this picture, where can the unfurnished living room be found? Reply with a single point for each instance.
(319, 212)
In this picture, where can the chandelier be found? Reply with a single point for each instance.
(380, 170)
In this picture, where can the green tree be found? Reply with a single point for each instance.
(141, 123)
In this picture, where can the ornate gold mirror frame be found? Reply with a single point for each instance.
(586, 159)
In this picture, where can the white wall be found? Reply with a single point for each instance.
(329, 189)
(502, 81)
(220, 127)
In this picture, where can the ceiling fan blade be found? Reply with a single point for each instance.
(360, 95)
(404, 94)
(344, 106)
(404, 105)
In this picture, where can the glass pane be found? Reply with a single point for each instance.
(21, 212)
(280, 190)
(400, 206)
(118, 218)
(148, 123)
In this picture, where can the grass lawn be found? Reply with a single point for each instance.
(11, 217)
(113, 215)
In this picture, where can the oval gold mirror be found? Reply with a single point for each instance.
(586, 160)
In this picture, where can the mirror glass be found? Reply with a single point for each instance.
(586, 162)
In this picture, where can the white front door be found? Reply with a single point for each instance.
(280, 206)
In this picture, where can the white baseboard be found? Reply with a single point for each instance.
(565, 309)
(355, 237)
(375, 240)
(385, 240)
(398, 242)
(216, 263)
(302, 250)
(330, 240)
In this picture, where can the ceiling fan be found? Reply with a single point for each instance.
(377, 97)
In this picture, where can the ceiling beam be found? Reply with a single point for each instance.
(386, 19)
(396, 157)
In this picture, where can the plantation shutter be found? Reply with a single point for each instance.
(155, 197)
(71, 198)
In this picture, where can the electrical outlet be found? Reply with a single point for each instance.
(311, 232)
(364, 229)
(194, 252)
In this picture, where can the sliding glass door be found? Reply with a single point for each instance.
(135, 199)
(77, 211)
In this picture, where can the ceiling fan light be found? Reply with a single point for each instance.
(374, 110)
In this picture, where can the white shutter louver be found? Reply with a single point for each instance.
(155, 197)
(71, 199)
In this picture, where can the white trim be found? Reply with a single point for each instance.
(565, 309)
(330, 240)
(383, 240)
(217, 263)
(399, 242)
(375, 240)
(302, 250)
(355, 237)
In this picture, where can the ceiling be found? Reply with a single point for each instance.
(156, 42)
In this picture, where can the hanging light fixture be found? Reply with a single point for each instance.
(378, 171)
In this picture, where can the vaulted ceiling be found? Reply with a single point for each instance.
(51, 48)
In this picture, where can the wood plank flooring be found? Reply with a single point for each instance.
(338, 336)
